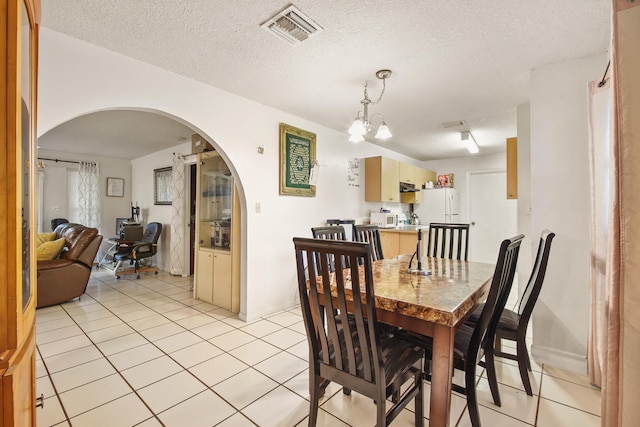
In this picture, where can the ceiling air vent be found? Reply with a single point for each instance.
(292, 25)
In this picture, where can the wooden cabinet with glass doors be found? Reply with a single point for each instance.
(19, 52)
(217, 231)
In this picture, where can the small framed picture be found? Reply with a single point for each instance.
(115, 187)
(162, 190)
(445, 180)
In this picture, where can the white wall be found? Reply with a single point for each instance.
(76, 78)
(55, 188)
(560, 202)
(459, 167)
(529, 245)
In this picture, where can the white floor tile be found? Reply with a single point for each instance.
(195, 321)
(125, 411)
(97, 324)
(177, 341)
(149, 372)
(218, 369)
(58, 334)
(285, 318)
(584, 398)
(72, 358)
(82, 374)
(94, 394)
(212, 330)
(123, 343)
(325, 419)
(110, 333)
(515, 403)
(282, 367)
(238, 420)
(261, 328)
(285, 338)
(245, 387)
(64, 345)
(279, 408)
(198, 353)
(149, 322)
(51, 413)
(205, 409)
(553, 414)
(135, 356)
(162, 331)
(170, 391)
(231, 340)
(254, 352)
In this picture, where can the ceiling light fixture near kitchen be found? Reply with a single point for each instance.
(362, 123)
(469, 142)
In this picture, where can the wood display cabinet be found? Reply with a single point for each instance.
(19, 51)
(217, 231)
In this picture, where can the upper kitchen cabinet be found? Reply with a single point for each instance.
(424, 176)
(382, 180)
(408, 173)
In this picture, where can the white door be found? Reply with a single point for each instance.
(493, 218)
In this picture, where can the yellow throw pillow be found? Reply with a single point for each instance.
(50, 250)
(45, 237)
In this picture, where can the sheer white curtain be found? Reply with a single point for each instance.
(177, 216)
(89, 194)
(599, 147)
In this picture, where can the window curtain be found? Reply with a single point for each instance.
(177, 216)
(89, 194)
(621, 373)
(599, 145)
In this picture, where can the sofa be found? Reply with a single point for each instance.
(66, 276)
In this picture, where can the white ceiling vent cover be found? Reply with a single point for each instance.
(292, 25)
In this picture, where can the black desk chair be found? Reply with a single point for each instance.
(369, 234)
(353, 354)
(135, 251)
(513, 325)
(471, 343)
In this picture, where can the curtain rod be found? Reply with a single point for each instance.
(63, 161)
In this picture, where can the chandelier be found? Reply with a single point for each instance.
(362, 123)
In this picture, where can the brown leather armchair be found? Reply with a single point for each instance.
(66, 277)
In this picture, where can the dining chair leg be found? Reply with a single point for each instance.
(490, 367)
(381, 411)
(524, 366)
(418, 402)
(316, 391)
(472, 400)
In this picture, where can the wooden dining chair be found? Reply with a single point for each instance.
(472, 343)
(448, 241)
(371, 234)
(331, 232)
(353, 354)
(512, 325)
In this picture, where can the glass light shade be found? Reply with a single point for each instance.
(383, 132)
(470, 142)
(358, 127)
(356, 138)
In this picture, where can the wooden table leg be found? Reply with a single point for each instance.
(441, 370)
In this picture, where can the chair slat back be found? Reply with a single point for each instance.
(337, 344)
(534, 285)
(369, 234)
(498, 293)
(332, 232)
(448, 241)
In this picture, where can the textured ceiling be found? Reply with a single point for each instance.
(464, 60)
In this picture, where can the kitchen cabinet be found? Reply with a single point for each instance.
(382, 180)
(512, 168)
(213, 269)
(217, 269)
(425, 175)
(408, 173)
(401, 240)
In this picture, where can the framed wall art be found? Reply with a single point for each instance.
(115, 187)
(162, 191)
(297, 157)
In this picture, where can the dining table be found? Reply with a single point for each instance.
(434, 304)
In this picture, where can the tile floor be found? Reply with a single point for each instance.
(145, 353)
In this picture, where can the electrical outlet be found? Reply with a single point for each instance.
(56, 208)
(258, 207)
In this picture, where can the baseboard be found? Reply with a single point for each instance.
(560, 359)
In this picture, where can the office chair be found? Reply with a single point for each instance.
(135, 251)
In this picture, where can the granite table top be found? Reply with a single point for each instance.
(443, 297)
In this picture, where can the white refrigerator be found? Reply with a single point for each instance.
(438, 205)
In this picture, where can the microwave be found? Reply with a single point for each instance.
(384, 219)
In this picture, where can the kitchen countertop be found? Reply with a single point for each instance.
(405, 228)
